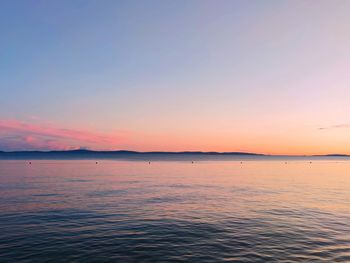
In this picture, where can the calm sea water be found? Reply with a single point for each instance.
(210, 211)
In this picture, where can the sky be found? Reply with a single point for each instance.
(256, 76)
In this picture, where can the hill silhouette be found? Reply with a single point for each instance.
(125, 154)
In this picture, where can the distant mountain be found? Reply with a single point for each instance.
(89, 154)
(156, 155)
(334, 155)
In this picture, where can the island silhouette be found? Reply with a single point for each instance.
(125, 154)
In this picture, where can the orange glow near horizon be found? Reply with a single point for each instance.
(48, 137)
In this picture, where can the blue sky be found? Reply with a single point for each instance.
(179, 75)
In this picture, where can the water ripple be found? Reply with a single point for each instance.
(117, 217)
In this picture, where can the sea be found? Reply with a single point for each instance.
(223, 210)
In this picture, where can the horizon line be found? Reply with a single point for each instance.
(170, 152)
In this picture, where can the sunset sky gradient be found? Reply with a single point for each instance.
(257, 76)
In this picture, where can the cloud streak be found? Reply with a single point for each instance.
(18, 135)
(338, 126)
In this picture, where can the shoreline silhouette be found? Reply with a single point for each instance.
(124, 154)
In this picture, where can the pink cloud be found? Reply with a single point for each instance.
(18, 135)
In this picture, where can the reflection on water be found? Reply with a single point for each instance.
(211, 211)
